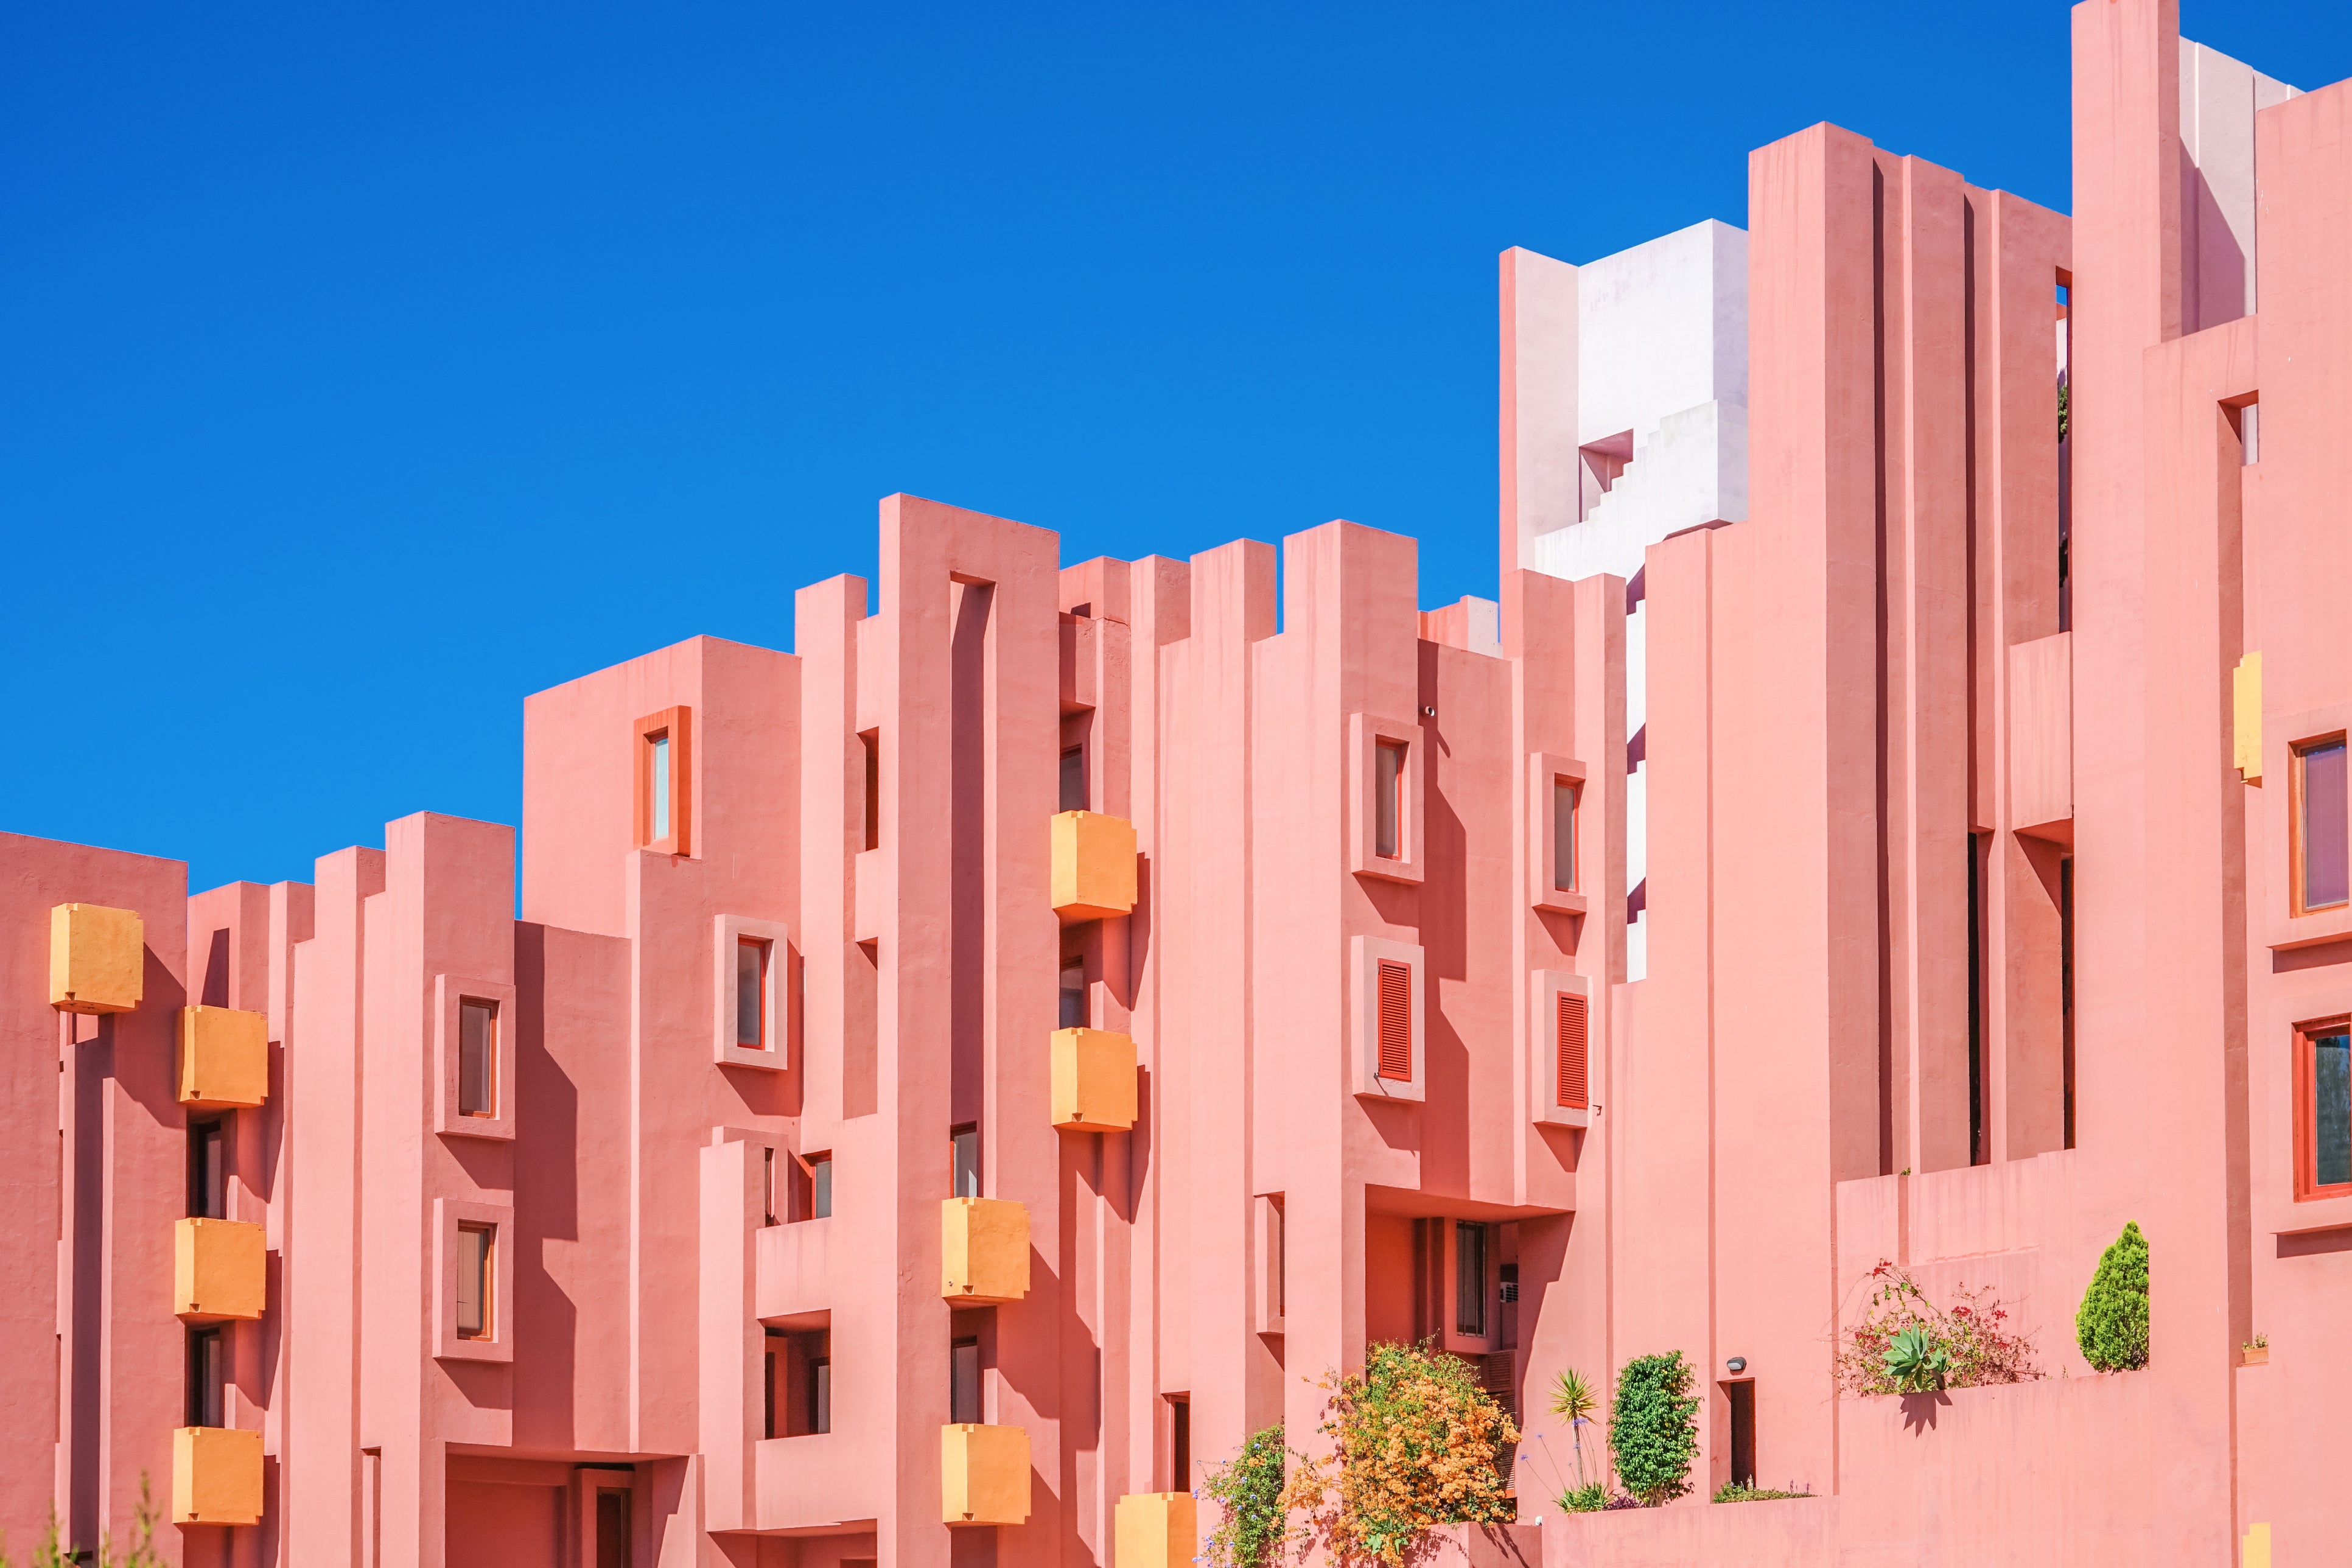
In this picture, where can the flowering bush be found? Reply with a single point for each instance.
(1415, 1442)
(1249, 1491)
(1907, 1344)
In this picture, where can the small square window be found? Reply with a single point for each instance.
(477, 1259)
(477, 1057)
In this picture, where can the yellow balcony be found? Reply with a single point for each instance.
(1094, 1080)
(1156, 1529)
(219, 1270)
(984, 1251)
(984, 1474)
(224, 1058)
(1093, 865)
(98, 960)
(215, 1476)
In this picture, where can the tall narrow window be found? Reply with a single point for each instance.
(820, 1395)
(1388, 803)
(1073, 779)
(477, 1249)
(751, 958)
(208, 1378)
(767, 1186)
(2067, 994)
(2323, 820)
(772, 1362)
(1470, 1280)
(1073, 993)
(661, 786)
(477, 1057)
(1575, 1089)
(1179, 1439)
(1979, 861)
(208, 1170)
(870, 743)
(2324, 1090)
(1281, 1260)
(963, 1147)
(963, 1382)
(1563, 835)
(820, 1186)
(1396, 1020)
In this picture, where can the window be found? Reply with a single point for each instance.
(2323, 820)
(477, 1246)
(963, 1382)
(665, 781)
(2323, 1093)
(767, 1187)
(1575, 1093)
(820, 1186)
(477, 1057)
(870, 741)
(612, 1528)
(1470, 1280)
(1073, 779)
(1396, 1019)
(1564, 793)
(1741, 1398)
(820, 1395)
(207, 1171)
(1073, 993)
(752, 993)
(1179, 1439)
(1388, 801)
(964, 1149)
(208, 1378)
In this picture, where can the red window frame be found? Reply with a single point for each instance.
(675, 725)
(2307, 1108)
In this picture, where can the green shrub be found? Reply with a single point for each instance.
(2112, 1327)
(1590, 1499)
(1732, 1492)
(1249, 1491)
(1654, 1427)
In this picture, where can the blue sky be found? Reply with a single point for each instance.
(368, 367)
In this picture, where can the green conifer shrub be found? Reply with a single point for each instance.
(2112, 1326)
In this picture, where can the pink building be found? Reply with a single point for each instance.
(949, 1083)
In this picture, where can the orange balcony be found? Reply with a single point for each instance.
(984, 1251)
(219, 1270)
(984, 1474)
(1093, 865)
(215, 1476)
(1094, 1080)
(224, 1058)
(1156, 1529)
(98, 959)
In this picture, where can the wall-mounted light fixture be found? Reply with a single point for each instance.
(1736, 1363)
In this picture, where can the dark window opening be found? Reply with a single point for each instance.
(477, 1057)
(1979, 856)
(2325, 1087)
(820, 1395)
(2067, 988)
(1073, 993)
(963, 1382)
(1179, 1440)
(1563, 835)
(963, 1147)
(1388, 800)
(1470, 1280)
(208, 1170)
(1742, 1399)
(612, 1528)
(752, 957)
(208, 1378)
(1073, 779)
(870, 741)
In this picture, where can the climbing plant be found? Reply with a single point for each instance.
(1654, 1427)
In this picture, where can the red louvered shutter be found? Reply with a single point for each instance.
(1572, 1095)
(1396, 1020)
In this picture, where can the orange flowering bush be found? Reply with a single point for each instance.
(1415, 1442)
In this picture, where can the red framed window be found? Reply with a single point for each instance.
(752, 960)
(2322, 805)
(1570, 1039)
(2322, 1110)
(665, 781)
(1388, 801)
(1396, 1020)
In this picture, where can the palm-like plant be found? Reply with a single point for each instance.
(1573, 1401)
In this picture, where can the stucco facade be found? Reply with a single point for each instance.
(919, 1099)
